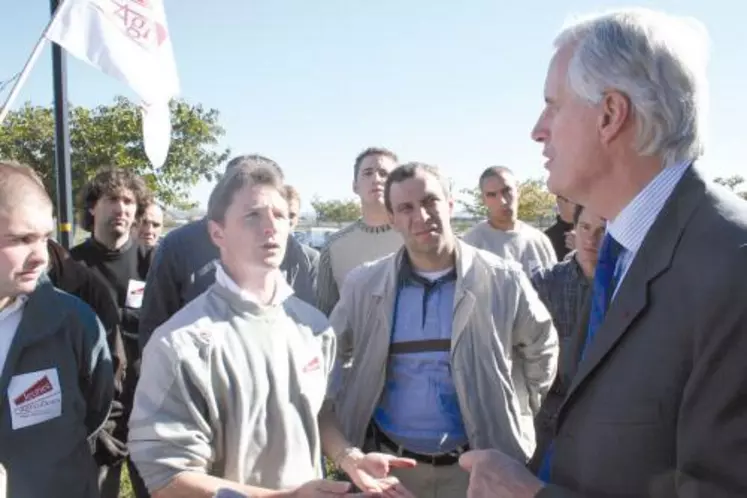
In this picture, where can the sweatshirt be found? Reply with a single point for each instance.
(525, 244)
(184, 267)
(234, 390)
(125, 270)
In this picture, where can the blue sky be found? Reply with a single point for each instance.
(311, 83)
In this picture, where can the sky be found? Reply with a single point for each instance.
(312, 83)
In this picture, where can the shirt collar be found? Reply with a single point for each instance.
(630, 227)
(407, 274)
(282, 290)
(14, 306)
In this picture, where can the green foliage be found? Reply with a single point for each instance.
(535, 201)
(733, 182)
(336, 210)
(111, 135)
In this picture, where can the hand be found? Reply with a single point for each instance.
(570, 240)
(368, 471)
(391, 488)
(321, 489)
(493, 473)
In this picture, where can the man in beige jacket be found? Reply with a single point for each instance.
(442, 347)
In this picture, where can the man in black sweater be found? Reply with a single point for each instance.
(560, 233)
(110, 203)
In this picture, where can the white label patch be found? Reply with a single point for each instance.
(135, 290)
(34, 397)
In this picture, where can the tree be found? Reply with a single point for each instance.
(733, 182)
(535, 201)
(336, 211)
(111, 135)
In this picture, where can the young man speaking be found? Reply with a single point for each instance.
(236, 378)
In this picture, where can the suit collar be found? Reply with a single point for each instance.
(653, 259)
(630, 227)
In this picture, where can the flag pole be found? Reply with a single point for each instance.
(62, 141)
(18, 85)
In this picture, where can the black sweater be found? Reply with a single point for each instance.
(118, 268)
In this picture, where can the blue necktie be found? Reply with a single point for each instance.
(605, 282)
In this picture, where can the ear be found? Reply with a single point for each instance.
(451, 207)
(216, 233)
(355, 187)
(390, 215)
(616, 112)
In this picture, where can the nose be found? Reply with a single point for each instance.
(421, 215)
(540, 132)
(38, 255)
(119, 206)
(270, 225)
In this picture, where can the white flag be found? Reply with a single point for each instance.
(129, 40)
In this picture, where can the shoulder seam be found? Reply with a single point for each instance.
(340, 233)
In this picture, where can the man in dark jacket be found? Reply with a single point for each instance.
(560, 232)
(72, 277)
(55, 364)
(110, 204)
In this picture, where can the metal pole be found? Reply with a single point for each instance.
(62, 144)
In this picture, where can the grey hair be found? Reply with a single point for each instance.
(659, 62)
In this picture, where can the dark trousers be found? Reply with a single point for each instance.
(110, 474)
(110, 480)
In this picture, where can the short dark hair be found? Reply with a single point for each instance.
(254, 160)
(577, 213)
(234, 180)
(108, 182)
(494, 171)
(291, 193)
(409, 170)
(15, 181)
(372, 151)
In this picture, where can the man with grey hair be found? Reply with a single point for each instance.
(185, 261)
(236, 379)
(657, 405)
(443, 347)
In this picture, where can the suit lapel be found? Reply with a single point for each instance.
(653, 258)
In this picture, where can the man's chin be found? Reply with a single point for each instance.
(27, 286)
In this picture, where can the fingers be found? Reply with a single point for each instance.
(333, 487)
(402, 463)
(392, 488)
(366, 483)
(470, 458)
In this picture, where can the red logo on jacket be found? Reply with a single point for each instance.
(42, 386)
(313, 365)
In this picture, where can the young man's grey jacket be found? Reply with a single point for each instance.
(62, 344)
(504, 348)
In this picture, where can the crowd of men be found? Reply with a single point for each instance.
(603, 357)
